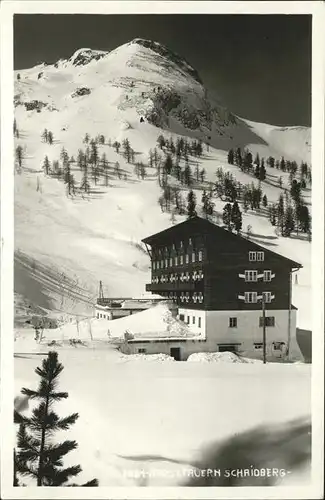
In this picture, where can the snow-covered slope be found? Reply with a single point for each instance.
(65, 245)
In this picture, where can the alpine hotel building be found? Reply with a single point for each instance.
(218, 280)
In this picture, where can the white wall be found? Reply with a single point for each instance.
(248, 330)
(196, 313)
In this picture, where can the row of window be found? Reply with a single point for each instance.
(252, 275)
(276, 346)
(256, 256)
(269, 321)
(183, 277)
(188, 320)
(178, 260)
(253, 297)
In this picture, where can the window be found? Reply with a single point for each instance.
(200, 255)
(233, 322)
(227, 347)
(181, 244)
(250, 275)
(187, 258)
(181, 317)
(188, 320)
(181, 260)
(142, 351)
(97, 315)
(267, 297)
(260, 256)
(250, 297)
(267, 276)
(190, 241)
(277, 346)
(193, 320)
(252, 256)
(269, 321)
(176, 261)
(161, 264)
(166, 262)
(258, 345)
(171, 262)
(199, 322)
(193, 256)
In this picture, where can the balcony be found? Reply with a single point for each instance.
(172, 287)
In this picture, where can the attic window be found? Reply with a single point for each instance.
(252, 256)
(190, 241)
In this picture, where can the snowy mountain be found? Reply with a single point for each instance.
(66, 244)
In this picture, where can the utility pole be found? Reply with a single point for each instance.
(289, 315)
(264, 329)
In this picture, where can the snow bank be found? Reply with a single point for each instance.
(146, 357)
(219, 357)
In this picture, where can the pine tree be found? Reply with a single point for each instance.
(226, 216)
(280, 213)
(207, 205)
(264, 201)
(85, 186)
(168, 164)
(161, 141)
(80, 159)
(46, 165)
(202, 175)
(116, 146)
(289, 222)
(50, 137)
(262, 173)
(257, 160)
(191, 204)
(86, 138)
(117, 169)
(19, 157)
(94, 156)
(236, 217)
(45, 135)
(187, 175)
(37, 456)
(231, 156)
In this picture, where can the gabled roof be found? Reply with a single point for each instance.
(201, 226)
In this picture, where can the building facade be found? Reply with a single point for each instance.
(221, 282)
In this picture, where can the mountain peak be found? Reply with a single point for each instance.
(86, 55)
(164, 51)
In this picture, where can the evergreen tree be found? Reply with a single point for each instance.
(264, 201)
(273, 214)
(257, 160)
(231, 156)
(248, 161)
(94, 155)
(117, 169)
(37, 456)
(262, 173)
(282, 164)
(238, 158)
(80, 159)
(85, 186)
(46, 165)
(161, 141)
(45, 135)
(226, 216)
(187, 175)
(116, 146)
(127, 149)
(202, 175)
(236, 217)
(168, 164)
(289, 222)
(191, 204)
(86, 138)
(50, 137)
(19, 157)
(207, 205)
(280, 213)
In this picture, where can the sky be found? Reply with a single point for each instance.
(258, 65)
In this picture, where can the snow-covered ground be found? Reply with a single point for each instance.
(154, 419)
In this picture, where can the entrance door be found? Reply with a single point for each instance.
(175, 352)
